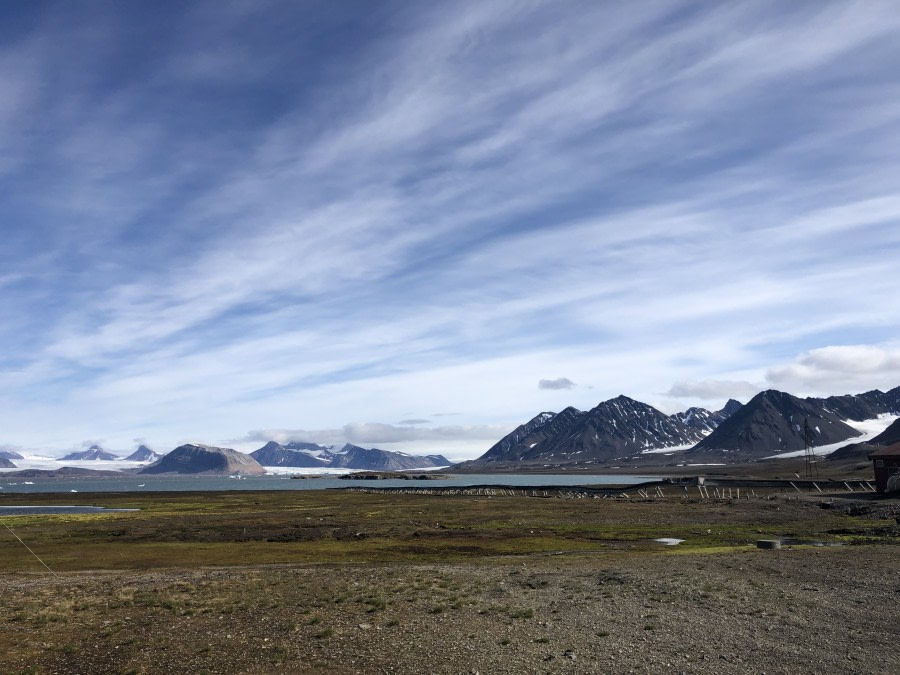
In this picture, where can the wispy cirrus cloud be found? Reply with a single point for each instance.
(248, 227)
(714, 390)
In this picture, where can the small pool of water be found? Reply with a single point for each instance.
(55, 510)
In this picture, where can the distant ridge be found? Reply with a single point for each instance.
(143, 454)
(311, 455)
(93, 453)
(275, 454)
(373, 459)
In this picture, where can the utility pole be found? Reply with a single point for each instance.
(812, 468)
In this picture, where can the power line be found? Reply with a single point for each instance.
(29, 550)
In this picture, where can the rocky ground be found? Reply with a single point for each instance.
(627, 605)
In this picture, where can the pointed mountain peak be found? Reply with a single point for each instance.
(731, 407)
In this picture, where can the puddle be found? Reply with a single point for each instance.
(40, 510)
(669, 541)
(809, 542)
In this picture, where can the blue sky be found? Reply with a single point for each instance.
(417, 225)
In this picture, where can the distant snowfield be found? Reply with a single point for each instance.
(50, 464)
(304, 471)
(869, 428)
(667, 451)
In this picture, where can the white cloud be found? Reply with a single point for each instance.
(714, 390)
(558, 383)
(844, 369)
(369, 434)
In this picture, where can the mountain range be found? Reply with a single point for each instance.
(198, 458)
(772, 422)
(310, 455)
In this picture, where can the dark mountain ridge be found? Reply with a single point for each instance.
(621, 428)
(616, 428)
(773, 422)
(889, 436)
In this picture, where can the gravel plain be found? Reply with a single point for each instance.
(641, 608)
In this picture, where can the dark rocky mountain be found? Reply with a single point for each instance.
(290, 454)
(6, 463)
(616, 428)
(143, 454)
(438, 460)
(542, 430)
(852, 451)
(731, 407)
(355, 457)
(860, 407)
(193, 458)
(621, 427)
(10, 454)
(773, 422)
(703, 420)
(95, 452)
(889, 436)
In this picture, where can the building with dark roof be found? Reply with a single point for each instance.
(886, 464)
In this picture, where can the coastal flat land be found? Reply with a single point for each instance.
(352, 582)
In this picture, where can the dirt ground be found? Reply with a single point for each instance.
(625, 605)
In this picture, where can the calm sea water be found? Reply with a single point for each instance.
(131, 483)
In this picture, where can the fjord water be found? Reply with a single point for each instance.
(138, 483)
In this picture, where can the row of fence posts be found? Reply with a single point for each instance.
(724, 493)
(703, 490)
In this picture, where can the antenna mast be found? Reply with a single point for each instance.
(812, 469)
